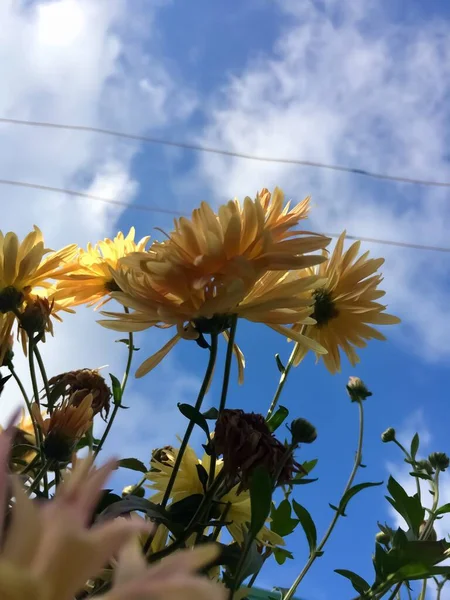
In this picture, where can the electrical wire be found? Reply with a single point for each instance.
(243, 155)
(167, 211)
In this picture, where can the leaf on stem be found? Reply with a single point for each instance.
(308, 525)
(116, 390)
(194, 415)
(261, 488)
(133, 464)
(281, 520)
(352, 492)
(358, 583)
(277, 418)
(409, 507)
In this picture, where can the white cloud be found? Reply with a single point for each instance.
(91, 63)
(344, 84)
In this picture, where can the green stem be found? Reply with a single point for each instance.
(329, 531)
(36, 481)
(122, 390)
(39, 439)
(431, 519)
(225, 384)
(191, 425)
(26, 399)
(424, 590)
(283, 377)
(409, 457)
(44, 376)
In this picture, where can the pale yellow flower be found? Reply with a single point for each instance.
(187, 483)
(345, 305)
(89, 279)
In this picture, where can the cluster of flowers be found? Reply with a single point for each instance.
(247, 261)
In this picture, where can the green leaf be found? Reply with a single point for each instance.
(261, 488)
(415, 445)
(126, 341)
(409, 507)
(281, 522)
(277, 418)
(421, 475)
(279, 363)
(181, 512)
(133, 464)
(211, 413)
(202, 475)
(281, 555)
(358, 583)
(353, 491)
(191, 413)
(302, 481)
(309, 465)
(308, 525)
(116, 390)
(107, 498)
(442, 510)
(131, 504)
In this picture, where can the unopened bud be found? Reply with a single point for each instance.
(424, 465)
(388, 435)
(357, 389)
(133, 490)
(9, 354)
(383, 538)
(303, 432)
(439, 460)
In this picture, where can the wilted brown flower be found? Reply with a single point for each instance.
(245, 441)
(165, 456)
(65, 427)
(77, 384)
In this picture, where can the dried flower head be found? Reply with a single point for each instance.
(245, 442)
(77, 384)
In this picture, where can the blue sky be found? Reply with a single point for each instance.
(361, 84)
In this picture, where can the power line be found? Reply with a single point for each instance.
(200, 148)
(167, 211)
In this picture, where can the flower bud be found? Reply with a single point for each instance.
(424, 465)
(383, 538)
(439, 460)
(357, 390)
(303, 432)
(388, 435)
(132, 490)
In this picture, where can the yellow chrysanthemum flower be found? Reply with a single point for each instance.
(89, 279)
(26, 269)
(345, 306)
(277, 299)
(188, 483)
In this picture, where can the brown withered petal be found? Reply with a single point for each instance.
(245, 442)
(77, 384)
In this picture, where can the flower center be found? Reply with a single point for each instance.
(10, 299)
(217, 324)
(111, 286)
(324, 307)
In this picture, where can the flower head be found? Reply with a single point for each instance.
(187, 483)
(277, 299)
(89, 279)
(77, 384)
(65, 427)
(26, 269)
(345, 306)
(246, 442)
